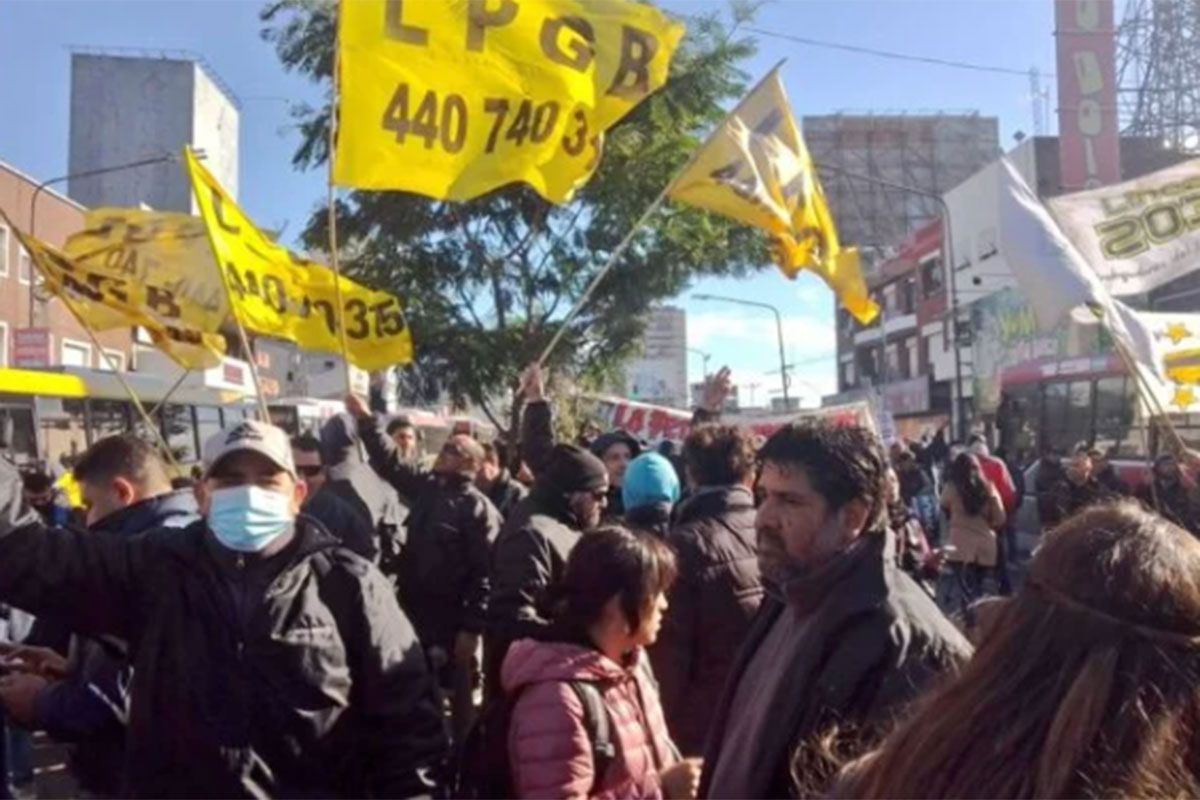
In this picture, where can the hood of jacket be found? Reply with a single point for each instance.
(649, 479)
(171, 510)
(339, 442)
(712, 501)
(529, 662)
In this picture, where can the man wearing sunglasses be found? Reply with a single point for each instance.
(444, 566)
(337, 516)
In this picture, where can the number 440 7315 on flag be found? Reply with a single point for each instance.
(455, 98)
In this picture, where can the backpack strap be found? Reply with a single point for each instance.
(599, 729)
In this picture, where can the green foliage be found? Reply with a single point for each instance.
(487, 282)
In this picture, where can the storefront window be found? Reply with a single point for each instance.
(64, 431)
(109, 418)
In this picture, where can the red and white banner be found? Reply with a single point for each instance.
(654, 424)
(1088, 132)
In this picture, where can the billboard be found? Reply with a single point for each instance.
(1088, 133)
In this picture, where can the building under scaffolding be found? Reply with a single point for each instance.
(1158, 64)
(929, 152)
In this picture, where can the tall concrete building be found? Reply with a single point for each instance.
(931, 153)
(659, 375)
(126, 108)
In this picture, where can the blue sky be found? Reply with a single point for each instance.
(36, 37)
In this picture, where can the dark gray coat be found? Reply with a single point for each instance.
(874, 641)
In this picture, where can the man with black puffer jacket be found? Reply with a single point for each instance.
(445, 562)
(713, 603)
(267, 660)
(126, 492)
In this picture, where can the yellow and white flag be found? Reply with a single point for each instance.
(756, 169)
(454, 98)
(275, 292)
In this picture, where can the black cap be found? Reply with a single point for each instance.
(573, 469)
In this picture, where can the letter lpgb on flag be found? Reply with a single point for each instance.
(454, 98)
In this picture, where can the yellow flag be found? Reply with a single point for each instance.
(107, 296)
(756, 169)
(275, 292)
(162, 247)
(454, 98)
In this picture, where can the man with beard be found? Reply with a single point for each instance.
(1169, 495)
(845, 638)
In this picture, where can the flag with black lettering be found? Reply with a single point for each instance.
(455, 98)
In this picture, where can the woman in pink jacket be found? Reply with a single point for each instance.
(611, 604)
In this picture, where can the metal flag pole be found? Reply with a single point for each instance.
(263, 412)
(620, 249)
(334, 260)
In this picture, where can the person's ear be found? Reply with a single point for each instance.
(299, 495)
(853, 517)
(124, 490)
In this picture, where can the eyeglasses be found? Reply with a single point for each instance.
(310, 470)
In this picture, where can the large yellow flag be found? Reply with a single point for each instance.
(275, 292)
(454, 98)
(109, 295)
(756, 169)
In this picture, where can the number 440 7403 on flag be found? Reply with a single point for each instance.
(454, 98)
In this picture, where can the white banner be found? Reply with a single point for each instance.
(1139, 234)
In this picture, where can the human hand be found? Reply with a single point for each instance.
(466, 649)
(533, 384)
(681, 781)
(357, 406)
(38, 660)
(717, 389)
(18, 695)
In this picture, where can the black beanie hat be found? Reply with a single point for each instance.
(573, 469)
(618, 436)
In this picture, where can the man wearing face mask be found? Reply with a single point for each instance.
(126, 492)
(530, 556)
(268, 660)
(844, 639)
(444, 565)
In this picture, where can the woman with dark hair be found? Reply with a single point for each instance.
(609, 607)
(1087, 683)
(975, 511)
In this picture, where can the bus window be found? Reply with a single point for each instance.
(1079, 425)
(180, 433)
(1054, 421)
(109, 418)
(1115, 401)
(64, 430)
(16, 434)
(208, 423)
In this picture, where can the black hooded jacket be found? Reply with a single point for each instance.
(445, 560)
(352, 480)
(294, 674)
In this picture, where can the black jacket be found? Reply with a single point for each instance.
(653, 518)
(872, 641)
(89, 708)
(349, 524)
(289, 675)
(712, 605)
(506, 492)
(352, 480)
(529, 559)
(446, 558)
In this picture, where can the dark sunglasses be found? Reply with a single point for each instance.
(310, 471)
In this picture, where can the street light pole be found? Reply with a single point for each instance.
(704, 358)
(783, 371)
(165, 158)
(948, 252)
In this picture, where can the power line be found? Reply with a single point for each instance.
(870, 51)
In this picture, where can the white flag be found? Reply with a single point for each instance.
(1055, 278)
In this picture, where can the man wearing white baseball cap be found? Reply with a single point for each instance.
(268, 660)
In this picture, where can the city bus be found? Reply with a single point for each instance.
(49, 417)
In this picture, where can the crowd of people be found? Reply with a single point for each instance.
(805, 616)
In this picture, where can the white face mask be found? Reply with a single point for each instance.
(249, 518)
